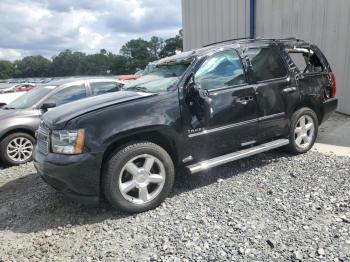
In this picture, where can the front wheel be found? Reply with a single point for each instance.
(303, 131)
(138, 177)
(16, 149)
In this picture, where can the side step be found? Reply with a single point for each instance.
(220, 160)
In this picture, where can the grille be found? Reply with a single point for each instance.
(43, 139)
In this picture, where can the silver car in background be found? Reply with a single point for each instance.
(20, 119)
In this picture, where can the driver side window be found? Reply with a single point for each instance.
(223, 69)
(69, 94)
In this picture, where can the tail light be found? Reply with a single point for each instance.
(333, 84)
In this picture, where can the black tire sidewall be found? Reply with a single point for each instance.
(3, 148)
(115, 165)
(296, 116)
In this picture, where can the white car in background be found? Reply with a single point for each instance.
(7, 98)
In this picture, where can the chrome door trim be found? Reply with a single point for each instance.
(208, 131)
(221, 128)
(272, 116)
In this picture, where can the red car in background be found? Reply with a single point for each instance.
(128, 77)
(137, 75)
(23, 87)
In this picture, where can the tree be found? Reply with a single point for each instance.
(67, 63)
(33, 66)
(119, 65)
(7, 69)
(156, 45)
(171, 45)
(137, 53)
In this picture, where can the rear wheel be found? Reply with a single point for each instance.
(17, 148)
(303, 132)
(138, 177)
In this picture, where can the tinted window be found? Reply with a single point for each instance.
(69, 94)
(98, 88)
(221, 70)
(267, 64)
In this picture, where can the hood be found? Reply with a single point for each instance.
(9, 113)
(62, 114)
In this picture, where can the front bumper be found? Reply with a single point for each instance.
(329, 107)
(77, 176)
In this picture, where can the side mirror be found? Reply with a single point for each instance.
(46, 106)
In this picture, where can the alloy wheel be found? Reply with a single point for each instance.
(142, 179)
(19, 149)
(304, 131)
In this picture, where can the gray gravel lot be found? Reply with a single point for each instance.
(270, 207)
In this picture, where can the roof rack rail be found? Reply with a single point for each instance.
(228, 40)
(258, 38)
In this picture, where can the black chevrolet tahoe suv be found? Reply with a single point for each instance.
(197, 110)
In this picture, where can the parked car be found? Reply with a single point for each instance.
(18, 88)
(20, 119)
(24, 87)
(198, 109)
(128, 77)
(7, 98)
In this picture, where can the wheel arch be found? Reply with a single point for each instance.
(17, 130)
(313, 106)
(160, 135)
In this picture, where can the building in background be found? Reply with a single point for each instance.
(323, 22)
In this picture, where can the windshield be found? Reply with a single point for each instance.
(158, 78)
(30, 98)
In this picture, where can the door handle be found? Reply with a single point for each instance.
(244, 100)
(289, 89)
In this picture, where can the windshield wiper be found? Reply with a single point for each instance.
(6, 107)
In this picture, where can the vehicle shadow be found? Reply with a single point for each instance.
(29, 205)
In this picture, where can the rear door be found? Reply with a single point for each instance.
(275, 90)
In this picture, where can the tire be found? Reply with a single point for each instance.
(302, 137)
(20, 143)
(130, 184)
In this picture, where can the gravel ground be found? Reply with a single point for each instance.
(270, 207)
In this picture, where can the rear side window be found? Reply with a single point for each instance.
(306, 61)
(220, 70)
(98, 88)
(69, 94)
(267, 64)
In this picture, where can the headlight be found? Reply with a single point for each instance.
(68, 141)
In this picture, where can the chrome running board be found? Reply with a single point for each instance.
(220, 160)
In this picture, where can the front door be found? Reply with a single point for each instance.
(220, 114)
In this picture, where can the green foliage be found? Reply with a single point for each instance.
(33, 66)
(171, 45)
(135, 54)
(7, 69)
(67, 63)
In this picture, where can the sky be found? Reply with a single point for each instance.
(46, 27)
